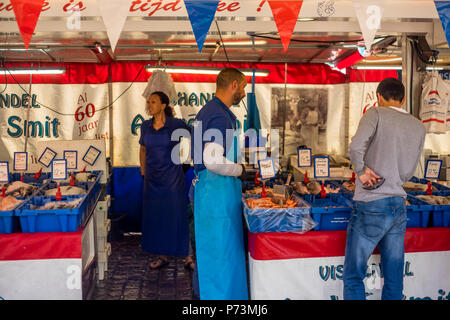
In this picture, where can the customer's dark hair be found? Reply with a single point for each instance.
(165, 100)
(391, 88)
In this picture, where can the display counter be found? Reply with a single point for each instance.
(309, 266)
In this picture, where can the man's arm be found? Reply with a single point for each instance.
(360, 142)
(142, 159)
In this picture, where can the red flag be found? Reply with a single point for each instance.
(27, 13)
(285, 14)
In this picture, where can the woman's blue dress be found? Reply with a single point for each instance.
(165, 224)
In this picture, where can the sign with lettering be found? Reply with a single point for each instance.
(71, 157)
(267, 168)
(59, 169)
(47, 157)
(258, 155)
(433, 169)
(304, 157)
(321, 167)
(91, 155)
(20, 161)
(4, 172)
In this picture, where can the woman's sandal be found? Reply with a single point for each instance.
(159, 263)
(189, 264)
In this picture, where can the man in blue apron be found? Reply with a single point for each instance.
(217, 194)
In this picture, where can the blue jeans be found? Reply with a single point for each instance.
(383, 223)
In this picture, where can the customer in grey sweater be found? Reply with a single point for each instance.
(387, 144)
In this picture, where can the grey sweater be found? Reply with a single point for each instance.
(389, 142)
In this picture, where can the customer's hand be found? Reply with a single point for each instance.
(369, 177)
(243, 175)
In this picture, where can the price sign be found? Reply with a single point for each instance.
(20, 161)
(267, 168)
(433, 169)
(4, 172)
(259, 155)
(321, 167)
(59, 169)
(71, 157)
(47, 157)
(304, 157)
(91, 155)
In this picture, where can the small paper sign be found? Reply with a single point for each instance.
(47, 157)
(59, 169)
(433, 169)
(20, 161)
(259, 155)
(321, 167)
(304, 157)
(267, 168)
(71, 157)
(4, 172)
(91, 155)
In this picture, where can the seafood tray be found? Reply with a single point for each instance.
(330, 213)
(438, 186)
(441, 211)
(8, 222)
(34, 218)
(297, 219)
(29, 178)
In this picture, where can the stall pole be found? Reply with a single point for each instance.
(285, 105)
(28, 112)
(110, 111)
(406, 71)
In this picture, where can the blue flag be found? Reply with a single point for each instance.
(443, 9)
(201, 14)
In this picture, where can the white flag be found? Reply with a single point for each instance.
(114, 14)
(369, 13)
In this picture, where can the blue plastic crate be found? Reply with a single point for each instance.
(8, 221)
(330, 213)
(278, 220)
(29, 178)
(418, 213)
(441, 213)
(55, 220)
(438, 186)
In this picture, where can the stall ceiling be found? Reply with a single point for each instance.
(308, 44)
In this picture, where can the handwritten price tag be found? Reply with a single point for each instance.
(433, 169)
(47, 157)
(321, 167)
(20, 161)
(304, 157)
(91, 155)
(267, 168)
(4, 172)
(59, 169)
(258, 156)
(71, 157)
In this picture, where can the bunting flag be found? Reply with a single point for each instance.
(369, 15)
(27, 13)
(285, 14)
(443, 9)
(201, 14)
(114, 14)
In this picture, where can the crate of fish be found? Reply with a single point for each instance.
(271, 214)
(314, 187)
(440, 201)
(46, 214)
(8, 222)
(31, 178)
(330, 213)
(418, 212)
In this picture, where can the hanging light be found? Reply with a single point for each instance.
(34, 70)
(203, 70)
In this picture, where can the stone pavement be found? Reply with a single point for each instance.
(129, 276)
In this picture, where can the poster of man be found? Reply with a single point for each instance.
(301, 118)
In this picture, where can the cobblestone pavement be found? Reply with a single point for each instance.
(129, 276)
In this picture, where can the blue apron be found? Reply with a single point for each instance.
(219, 236)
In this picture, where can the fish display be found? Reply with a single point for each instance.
(18, 189)
(8, 203)
(53, 205)
(313, 187)
(270, 203)
(258, 190)
(65, 191)
(81, 177)
(436, 200)
(412, 186)
(350, 186)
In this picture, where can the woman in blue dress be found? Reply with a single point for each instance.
(165, 224)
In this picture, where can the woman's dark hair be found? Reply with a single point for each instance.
(391, 88)
(165, 100)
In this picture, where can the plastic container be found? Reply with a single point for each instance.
(29, 178)
(330, 213)
(440, 214)
(418, 213)
(438, 186)
(8, 221)
(278, 220)
(51, 220)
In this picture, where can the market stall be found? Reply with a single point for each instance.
(312, 68)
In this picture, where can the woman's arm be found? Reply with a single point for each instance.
(142, 159)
